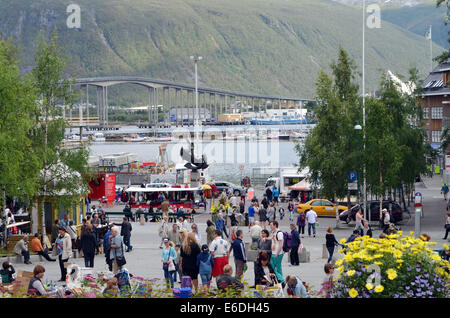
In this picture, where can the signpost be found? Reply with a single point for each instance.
(418, 213)
(110, 191)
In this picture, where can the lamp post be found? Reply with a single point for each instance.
(196, 118)
(358, 128)
(364, 102)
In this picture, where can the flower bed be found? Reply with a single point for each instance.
(394, 267)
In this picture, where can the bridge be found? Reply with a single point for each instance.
(165, 96)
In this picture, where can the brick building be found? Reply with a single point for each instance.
(436, 102)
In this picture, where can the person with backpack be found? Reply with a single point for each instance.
(277, 251)
(301, 222)
(205, 263)
(240, 258)
(294, 244)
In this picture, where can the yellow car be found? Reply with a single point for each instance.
(321, 207)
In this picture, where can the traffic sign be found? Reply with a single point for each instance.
(352, 176)
(418, 198)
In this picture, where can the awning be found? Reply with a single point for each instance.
(301, 186)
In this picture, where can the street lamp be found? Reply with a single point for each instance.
(364, 102)
(358, 128)
(196, 119)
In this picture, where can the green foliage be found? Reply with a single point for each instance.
(18, 165)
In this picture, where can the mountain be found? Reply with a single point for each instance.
(261, 46)
(402, 3)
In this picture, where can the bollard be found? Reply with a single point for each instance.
(324, 251)
(141, 219)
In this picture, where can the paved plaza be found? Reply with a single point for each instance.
(145, 258)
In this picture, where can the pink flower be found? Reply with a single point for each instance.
(90, 278)
(93, 285)
(91, 295)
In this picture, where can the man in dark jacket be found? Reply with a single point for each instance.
(265, 202)
(295, 243)
(240, 258)
(88, 244)
(126, 233)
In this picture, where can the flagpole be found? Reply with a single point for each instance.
(431, 52)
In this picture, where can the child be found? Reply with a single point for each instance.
(205, 263)
(7, 273)
(291, 211)
(176, 262)
(281, 213)
(327, 284)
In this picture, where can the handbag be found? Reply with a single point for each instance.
(120, 259)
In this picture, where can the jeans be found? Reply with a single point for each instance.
(294, 255)
(169, 276)
(89, 259)
(61, 266)
(45, 255)
(275, 261)
(239, 268)
(126, 241)
(313, 226)
(26, 256)
(446, 232)
(206, 278)
(330, 253)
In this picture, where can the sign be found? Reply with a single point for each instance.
(352, 176)
(353, 186)
(110, 191)
(418, 198)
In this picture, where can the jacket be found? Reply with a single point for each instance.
(20, 246)
(126, 229)
(295, 239)
(88, 243)
(239, 250)
(205, 266)
(36, 245)
(301, 219)
(219, 224)
(67, 248)
(259, 273)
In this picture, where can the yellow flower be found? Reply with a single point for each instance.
(436, 257)
(351, 272)
(339, 262)
(445, 246)
(392, 273)
(379, 288)
(369, 286)
(343, 240)
(353, 293)
(378, 263)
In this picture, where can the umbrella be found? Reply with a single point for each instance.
(301, 186)
(206, 187)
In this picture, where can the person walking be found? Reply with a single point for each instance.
(277, 250)
(251, 214)
(255, 233)
(210, 228)
(168, 257)
(240, 259)
(291, 211)
(295, 243)
(107, 248)
(55, 227)
(163, 230)
(194, 230)
(205, 263)
(359, 217)
(63, 249)
(269, 194)
(116, 253)
(271, 212)
(311, 216)
(188, 258)
(330, 243)
(262, 215)
(220, 225)
(301, 223)
(219, 249)
(444, 190)
(88, 245)
(36, 247)
(174, 235)
(276, 194)
(447, 226)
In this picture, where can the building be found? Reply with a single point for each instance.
(436, 103)
(187, 115)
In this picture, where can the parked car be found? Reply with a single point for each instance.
(374, 207)
(321, 207)
(230, 188)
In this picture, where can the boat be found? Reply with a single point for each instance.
(98, 137)
(134, 138)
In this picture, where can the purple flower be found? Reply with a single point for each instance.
(408, 269)
(418, 269)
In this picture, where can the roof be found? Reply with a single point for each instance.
(434, 84)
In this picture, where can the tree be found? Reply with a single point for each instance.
(330, 151)
(446, 54)
(18, 166)
(61, 169)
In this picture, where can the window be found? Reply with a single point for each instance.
(436, 136)
(316, 203)
(426, 113)
(436, 113)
